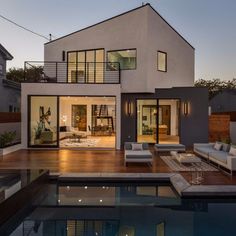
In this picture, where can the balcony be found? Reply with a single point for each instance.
(66, 72)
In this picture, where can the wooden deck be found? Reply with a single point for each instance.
(94, 161)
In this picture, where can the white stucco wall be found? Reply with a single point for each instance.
(68, 90)
(144, 30)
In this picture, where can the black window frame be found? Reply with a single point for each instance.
(118, 50)
(165, 53)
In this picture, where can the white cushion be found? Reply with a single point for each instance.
(232, 151)
(218, 146)
(137, 146)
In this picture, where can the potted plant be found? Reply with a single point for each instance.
(38, 131)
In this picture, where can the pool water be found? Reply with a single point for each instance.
(124, 210)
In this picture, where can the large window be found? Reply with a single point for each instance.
(126, 58)
(86, 66)
(43, 123)
(162, 61)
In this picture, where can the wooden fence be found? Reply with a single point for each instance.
(10, 117)
(219, 127)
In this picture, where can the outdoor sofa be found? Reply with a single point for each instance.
(137, 152)
(221, 157)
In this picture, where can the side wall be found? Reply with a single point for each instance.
(193, 127)
(67, 90)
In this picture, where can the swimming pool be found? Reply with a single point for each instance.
(127, 209)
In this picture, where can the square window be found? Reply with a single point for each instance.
(162, 61)
(126, 58)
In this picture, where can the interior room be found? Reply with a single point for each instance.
(165, 113)
(87, 122)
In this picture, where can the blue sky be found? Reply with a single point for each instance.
(209, 25)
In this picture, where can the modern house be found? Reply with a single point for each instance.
(9, 90)
(127, 78)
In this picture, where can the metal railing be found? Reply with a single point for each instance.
(68, 72)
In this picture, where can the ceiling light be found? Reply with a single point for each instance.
(100, 200)
(85, 187)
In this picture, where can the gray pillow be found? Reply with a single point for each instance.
(225, 147)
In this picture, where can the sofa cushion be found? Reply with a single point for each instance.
(138, 154)
(232, 150)
(205, 150)
(218, 146)
(220, 156)
(137, 146)
(225, 147)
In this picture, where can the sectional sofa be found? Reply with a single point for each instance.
(221, 157)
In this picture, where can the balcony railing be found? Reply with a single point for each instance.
(68, 72)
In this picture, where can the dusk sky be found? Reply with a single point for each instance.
(209, 25)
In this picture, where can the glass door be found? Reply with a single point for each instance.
(43, 121)
(147, 120)
(168, 121)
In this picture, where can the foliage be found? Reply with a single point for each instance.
(38, 130)
(215, 86)
(30, 74)
(7, 138)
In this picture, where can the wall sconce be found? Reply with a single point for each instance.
(129, 108)
(186, 108)
(64, 119)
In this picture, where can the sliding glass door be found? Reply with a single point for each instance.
(146, 120)
(43, 121)
(158, 120)
(86, 66)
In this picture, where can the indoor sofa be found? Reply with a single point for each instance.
(141, 154)
(221, 157)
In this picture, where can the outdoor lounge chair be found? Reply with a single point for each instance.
(133, 154)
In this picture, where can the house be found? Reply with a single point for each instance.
(9, 90)
(127, 78)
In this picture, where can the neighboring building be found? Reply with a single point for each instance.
(9, 90)
(224, 101)
(128, 78)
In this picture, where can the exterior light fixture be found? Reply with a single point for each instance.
(186, 108)
(129, 108)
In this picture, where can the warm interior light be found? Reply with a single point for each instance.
(186, 109)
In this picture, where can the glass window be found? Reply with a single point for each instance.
(126, 58)
(162, 61)
(1, 69)
(72, 67)
(43, 121)
(161, 229)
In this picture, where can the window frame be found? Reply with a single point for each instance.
(118, 50)
(1, 69)
(165, 53)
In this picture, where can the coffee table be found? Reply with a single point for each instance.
(196, 164)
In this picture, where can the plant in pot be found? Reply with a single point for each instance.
(7, 138)
(38, 131)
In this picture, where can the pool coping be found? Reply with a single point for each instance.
(180, 184)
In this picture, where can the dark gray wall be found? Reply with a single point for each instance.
(8, 96)
(193, 127)
(224, 102)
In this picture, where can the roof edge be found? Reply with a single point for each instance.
(6, 53)
(124, 13)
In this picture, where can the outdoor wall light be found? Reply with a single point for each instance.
(129, 108)
(186, 108)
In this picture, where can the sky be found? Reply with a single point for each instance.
(209, 25)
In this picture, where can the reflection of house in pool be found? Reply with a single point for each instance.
(104, 92)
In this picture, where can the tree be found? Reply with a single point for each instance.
(33, 74)
(215, 86)
(16, 74)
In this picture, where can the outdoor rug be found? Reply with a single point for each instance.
(83, 143)
(176, 166)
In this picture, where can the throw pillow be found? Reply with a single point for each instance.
(137, 146)
(218, 146)
(232, 150)
(225, 147)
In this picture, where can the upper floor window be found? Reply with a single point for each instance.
(127, 58)
(162, 61)
(1, 69)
